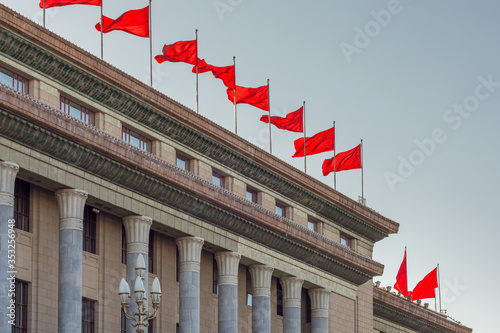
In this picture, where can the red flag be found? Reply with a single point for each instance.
(135, 22)
(60, 3)
(319, 143)
(183, 51)
(425, 288)
(257, 97)
(292, 122)
(347, 160)
(226, 74)
(402, 278)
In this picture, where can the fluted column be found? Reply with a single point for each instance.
(320, 301)
(189, 283)
(137, 234)
(8, 172)
(261, 298)
(71, 203)
(227, 265)
(292, 291)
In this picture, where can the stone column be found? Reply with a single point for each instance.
(8, 172)
(71, 203)
(320, 300)
(227, 265)
(261, 298)
(292, 291)
(189, 283)
(137, 234)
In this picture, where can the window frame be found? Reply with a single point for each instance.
(249, 289)
(17, 79)
(279, 298)
(215, 277)
(124, 245)
(185, 159)
(282, 207)
(88, 315)
(21, 300)
(86, 115)
(145, 143)
(253, 194)
(22, 204)
(221, 177)
(89, 242)
(348, 240)
(151, 253)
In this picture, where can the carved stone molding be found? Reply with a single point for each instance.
(261, 280)
(189, 253)
(227, 265)
(8, 172)
(320, 301)
(71, 203)
(292, 289)
(137, 229)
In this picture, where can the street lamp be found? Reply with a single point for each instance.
(143, 316)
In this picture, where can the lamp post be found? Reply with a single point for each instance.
(143, 316)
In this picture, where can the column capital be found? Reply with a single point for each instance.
(227, 264)
(292, 291)
(71, 203)
(261, 279)
(320, 301)
(189, 253)
(137, 233)
(8, 172)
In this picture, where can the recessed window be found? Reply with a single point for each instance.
(280, 209)
(123, 322)
(215, 277)
(218, 178)
(177, 264)
(251, 195)
(14, 80)
(89, 229)
(345, 240)
(151, 252)
(311, 225)
(249, 288)
(88, 316)
(137, 140)
(279, 299)
(182, 162)
(308, 306)
(22, 204)
(21, 301)
(77, 111)
(124, 246)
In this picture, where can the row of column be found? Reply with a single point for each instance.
(71, 204)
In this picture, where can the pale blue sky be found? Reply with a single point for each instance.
(397, 88)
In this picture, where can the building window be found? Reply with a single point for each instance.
(151, 252)
(88, 316)
(14, 80)
(137, 140)
(182, 162)
(345, 240)
(308, 307)
(280, 209)
(251, 195)
(311, 225)
(218, 178)
(89, 229)
(215, 277)
(177, 328)
(151, 326)
(279, 299)
(22, 205)
(177, 264)
(77, 111)
(123, 323)
(124, 246)
(249, 288)
(21, 302)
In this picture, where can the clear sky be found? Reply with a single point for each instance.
(418, 81)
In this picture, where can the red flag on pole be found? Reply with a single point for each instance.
(425, 288)
(292, 122)
(226, 73)
(135, 22)
(402, 278)
(347, 160)
(319, 143)
(257, 97)
(60, 3)
(183, 51)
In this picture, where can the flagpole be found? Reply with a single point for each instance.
(150, 45)
(269, 118)
(197, 105)
(102, 34)
(439, 288)
(362, 194)
(304, 125)
(235, 119)
(44, 13)
(334, 165)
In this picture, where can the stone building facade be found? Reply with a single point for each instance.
(98, 169)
